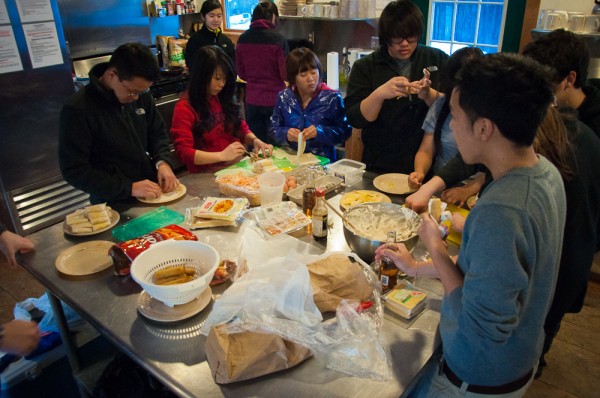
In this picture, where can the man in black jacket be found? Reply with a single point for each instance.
(570, 57)
(113, 142)
(382, 95)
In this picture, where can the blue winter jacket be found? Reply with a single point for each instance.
(325, 111)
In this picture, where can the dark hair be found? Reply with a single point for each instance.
(511, 90)
(563, 51)
(449, 75)
(300, 60)
(553, 140)
(401, 18)
(135, 60)
(207, 60)
(208, 6)
(265, 10)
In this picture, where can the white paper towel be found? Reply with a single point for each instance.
(333, 71)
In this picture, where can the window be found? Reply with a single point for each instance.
(460, 23)
(239, 13)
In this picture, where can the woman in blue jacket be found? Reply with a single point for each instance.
(309, 107)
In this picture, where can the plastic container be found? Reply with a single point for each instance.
(157, 218)
(271, 188)
(348, 170)
(200, 256)
(240, 186)
(328, 183)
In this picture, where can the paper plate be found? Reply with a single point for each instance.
(114, 219)
(394, 183)
(157, 311)
(85, 258)
(353, 198)
(167, 197)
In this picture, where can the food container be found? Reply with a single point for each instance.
(348, 170)
(200, 256)
(328, 183)
(230, 185)
(373, 221)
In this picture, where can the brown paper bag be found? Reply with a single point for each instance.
(336, 278)
(245, 355)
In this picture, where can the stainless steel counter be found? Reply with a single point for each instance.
(174, 353)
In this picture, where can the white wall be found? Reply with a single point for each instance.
(584, 6)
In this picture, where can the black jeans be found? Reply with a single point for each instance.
(258, 119)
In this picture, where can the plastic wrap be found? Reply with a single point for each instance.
(276, 297)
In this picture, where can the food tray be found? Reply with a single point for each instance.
(328, 182)
(280, 218)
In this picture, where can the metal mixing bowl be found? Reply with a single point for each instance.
(365, 247)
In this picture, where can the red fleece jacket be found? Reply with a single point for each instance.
(214, 140)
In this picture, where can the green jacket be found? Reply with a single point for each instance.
(392, 140)
(104, 146)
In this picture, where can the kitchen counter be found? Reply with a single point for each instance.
(174, 353)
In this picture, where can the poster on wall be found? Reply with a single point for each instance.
(9, 53)
(3, 13)
(42, 41)
(35, 10)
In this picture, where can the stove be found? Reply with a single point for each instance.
(168, 85)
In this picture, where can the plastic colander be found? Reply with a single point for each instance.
(171, 253)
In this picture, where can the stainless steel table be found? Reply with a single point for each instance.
(174, 353)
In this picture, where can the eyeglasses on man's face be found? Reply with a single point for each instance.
(133, 93)
(399, 40)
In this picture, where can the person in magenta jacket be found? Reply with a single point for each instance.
(260, 60)
(309, 106)
(207, 129)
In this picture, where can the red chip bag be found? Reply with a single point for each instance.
(125, 252)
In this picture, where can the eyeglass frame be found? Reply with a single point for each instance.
(413, 40)
(133, 93)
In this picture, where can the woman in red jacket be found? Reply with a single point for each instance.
(207, 128)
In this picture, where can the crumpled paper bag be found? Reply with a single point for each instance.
(335, 278)
(235, 356)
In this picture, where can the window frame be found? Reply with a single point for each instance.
(453, 43)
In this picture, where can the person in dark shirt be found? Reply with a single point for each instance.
(388, 96)
(570, 57)
(261, 53)
(113, 143)
(210, 34)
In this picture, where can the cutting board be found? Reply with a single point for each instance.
(283, 160)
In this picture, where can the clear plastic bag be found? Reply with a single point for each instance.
(277, 298)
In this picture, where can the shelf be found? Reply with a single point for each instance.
(296, 17)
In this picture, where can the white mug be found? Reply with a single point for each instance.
(318, 10)
(592, 24)
(554, 20)
(301, 10)
(576, 23)
(333, 12)
(326, 11)
(542, 19)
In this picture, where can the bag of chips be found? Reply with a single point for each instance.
(125, 252)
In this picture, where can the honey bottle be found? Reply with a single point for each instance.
(388, 271)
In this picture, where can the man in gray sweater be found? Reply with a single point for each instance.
(498, 293)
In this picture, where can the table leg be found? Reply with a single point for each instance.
(65, 333)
